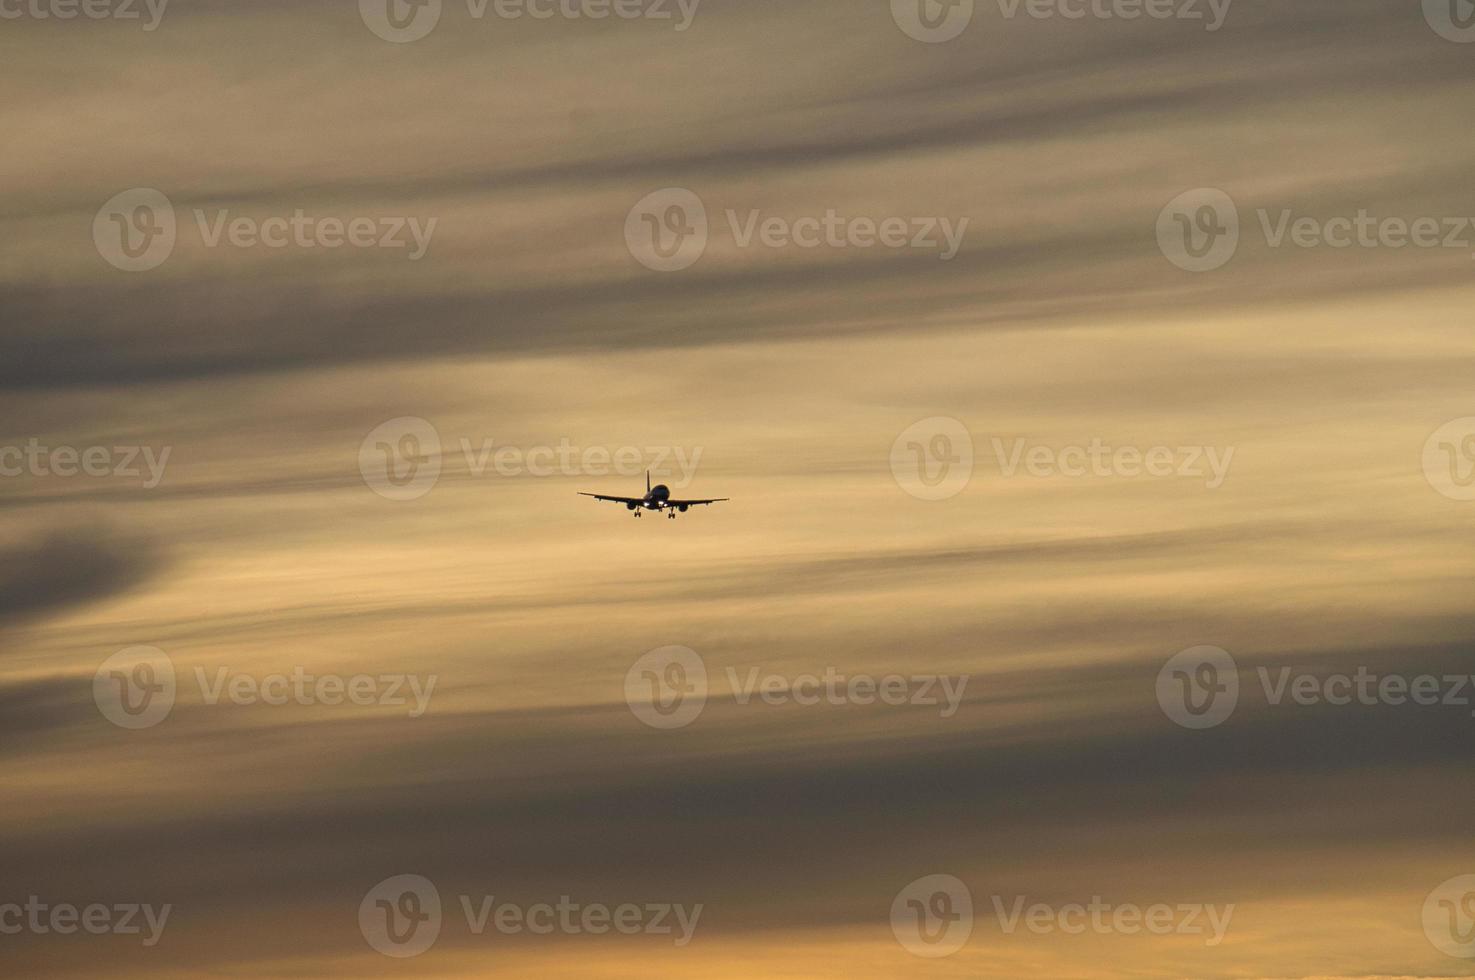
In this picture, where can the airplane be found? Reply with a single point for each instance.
(656, 498)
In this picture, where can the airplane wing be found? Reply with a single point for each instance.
(618, 500)
(695, 503)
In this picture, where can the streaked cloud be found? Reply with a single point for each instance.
(783, 375)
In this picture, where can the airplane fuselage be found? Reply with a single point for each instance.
(656, 498)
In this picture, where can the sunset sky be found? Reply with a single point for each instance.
(424, 251)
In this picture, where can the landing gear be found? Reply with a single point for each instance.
(637, 513)
(672, 515)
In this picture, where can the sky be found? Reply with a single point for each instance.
(1090, 381)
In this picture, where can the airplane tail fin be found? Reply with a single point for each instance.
(647, 481)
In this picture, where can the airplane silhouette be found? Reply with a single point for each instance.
(656, 498)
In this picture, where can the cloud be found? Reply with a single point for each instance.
(43, 574)
(528, 323)
(977, 129)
